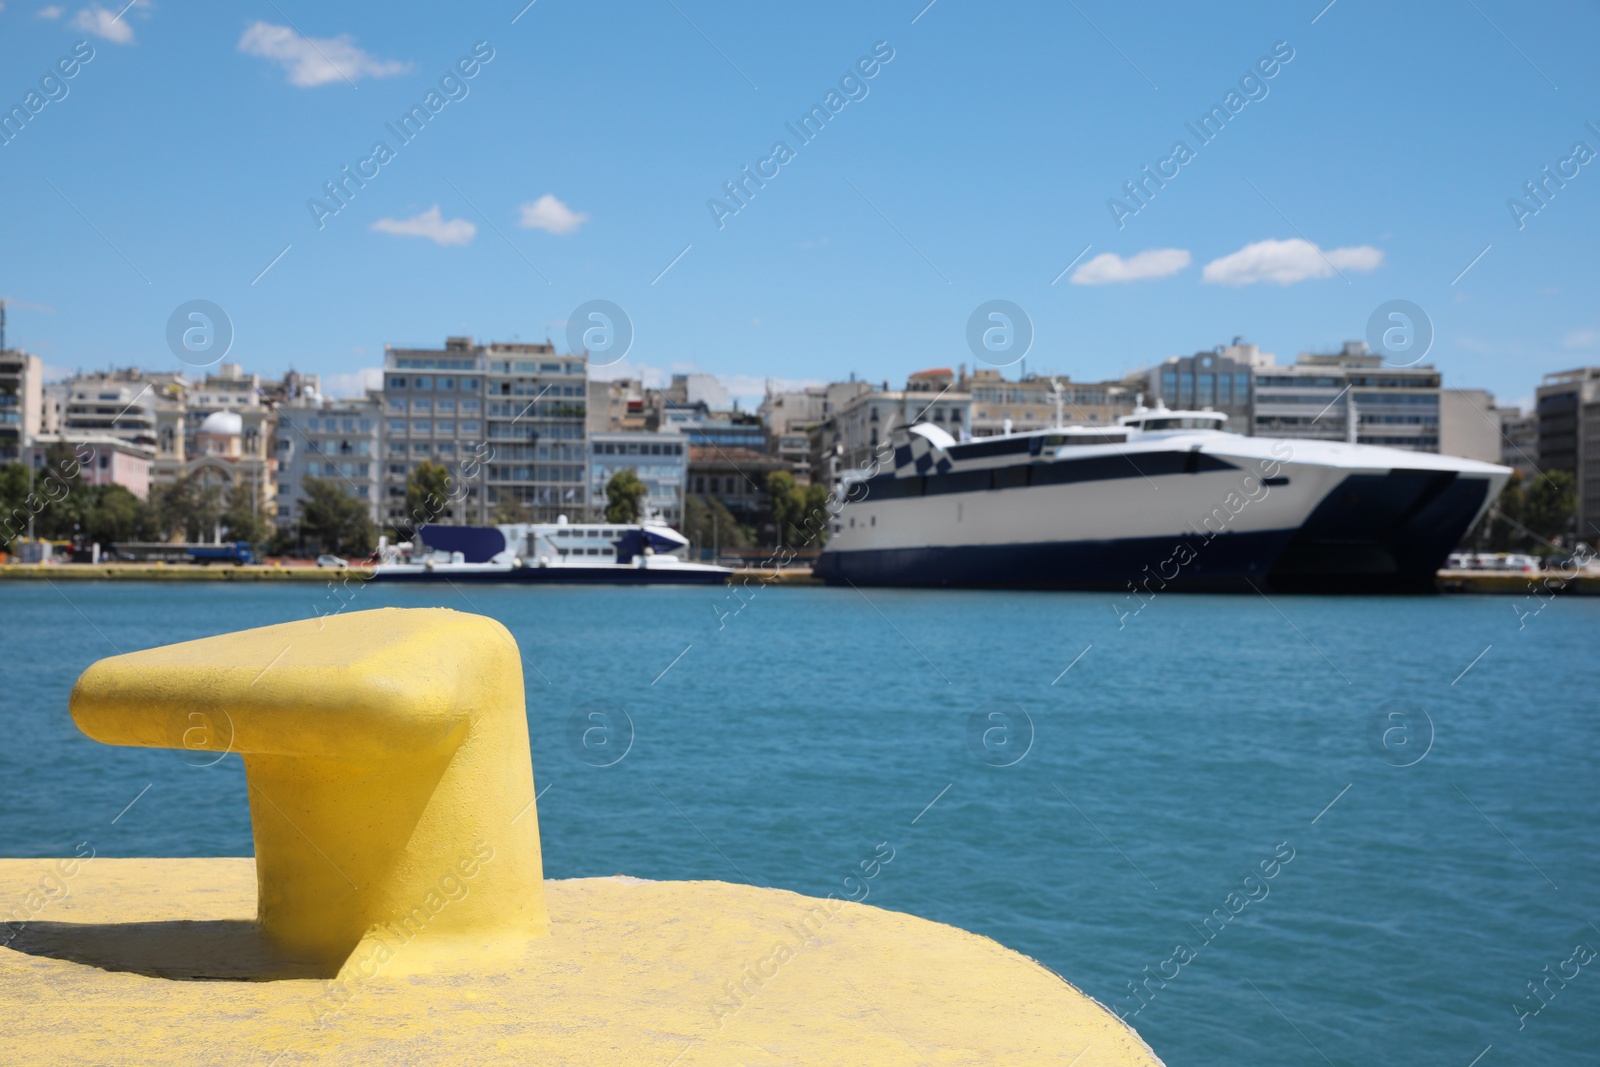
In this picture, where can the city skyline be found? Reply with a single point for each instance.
(559, 157)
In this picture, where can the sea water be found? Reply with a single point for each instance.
(1289, 830)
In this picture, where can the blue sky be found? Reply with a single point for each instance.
(975, 164)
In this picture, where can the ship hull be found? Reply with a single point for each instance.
(565, 575)
(1319, 529)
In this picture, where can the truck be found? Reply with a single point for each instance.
(154, 551)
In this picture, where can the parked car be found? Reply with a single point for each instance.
(331, 561)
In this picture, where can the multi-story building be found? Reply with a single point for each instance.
(735, 476)
(536, 403)
(217, 429)
(335, 440)
(1352, 396)
(1000, 406)
(120, 404)
(693, 389)
(1470, 425)
(713, 429)
(1219, 380)
(618, 405)
(791, 418)
(848, 439)
(102, 459)
(508, 421)
(661, 461)
(433, 412)
(21, 400)
(1519, 440)
(1568, 412)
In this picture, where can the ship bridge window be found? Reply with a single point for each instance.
(1183, 422)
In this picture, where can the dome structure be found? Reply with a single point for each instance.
(222, 424)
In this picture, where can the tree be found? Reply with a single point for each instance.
(1550, 505)
(708, 523)
(243, 516)
(427, 496)
(625, 495)
(115, 514)
(14, 509)
(817, 518)
(57, 497)
(787, 504)
(336, 521)
(800, 514)
(185, 510)
(1529, 514)
(509, 511)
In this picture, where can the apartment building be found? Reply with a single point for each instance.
(1222, 379)
(1349, 395)
(21, 401)
(1032, 403)
(660, 460)
(1567, 409)
(507, 419)
(335, 440)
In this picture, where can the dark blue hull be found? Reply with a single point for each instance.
(1222, 563)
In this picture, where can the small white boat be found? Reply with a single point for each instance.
(558, 552)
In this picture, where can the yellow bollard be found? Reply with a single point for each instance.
(384, 751)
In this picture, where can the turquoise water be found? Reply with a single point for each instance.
(1186, 752)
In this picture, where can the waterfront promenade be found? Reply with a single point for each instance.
(1499, 583)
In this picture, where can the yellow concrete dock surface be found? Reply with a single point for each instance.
(155, 962)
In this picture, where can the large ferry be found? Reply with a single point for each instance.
(1165, 499)
(607, 553)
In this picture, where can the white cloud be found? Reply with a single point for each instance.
(551, 215)
(1287, 262)
(54, 11)
(355, 383)
(313, 61)
(1110, 267)
(1581, 339)
(101, 22)
(432, 225)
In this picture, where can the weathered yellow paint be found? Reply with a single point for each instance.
(386, 754)
(387, 757)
